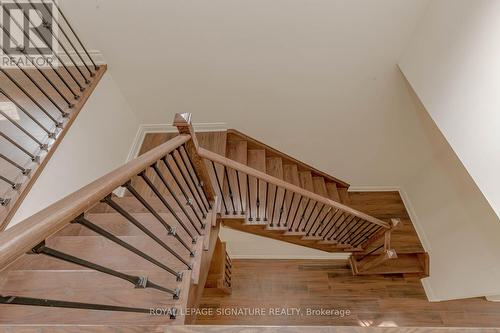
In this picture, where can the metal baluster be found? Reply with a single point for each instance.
(165, 183)
(186, 180)
(371, 233)
(239, 191)
(315, 220)
(249, 205)
(265, 205)
(366, 230)
(96, 67)
(100, 231)
(51, 135)
(309, 217)
(371, 252)
(30, 301)
(13, 122)
(340, 217)
(15, 186)
(170, 230)
(220, 188)
(322, 221)
(57, 123)
(40, 35)
(230, 190)
(27, 35)
(23, 170)
(342, 226)
(289, 210)
(354, 224)
(358, 232)
(303, 215)
(198, 181)
(166, 204)
(295, 215)
(328, 223)
(4, 201)
(68, 39)
(109, 201)
(18, 146)
(258, 199)
(281, 209)
(49, 28)
(188, 199)
(35, 83)
(274, 205)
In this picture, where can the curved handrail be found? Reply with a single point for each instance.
(278, 182)
(23, 236)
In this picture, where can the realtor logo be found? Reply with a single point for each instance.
(27, 27)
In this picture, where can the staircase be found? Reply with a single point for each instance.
(144, 257)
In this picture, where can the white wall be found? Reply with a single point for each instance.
(98, 142)
(453, 64)
(456, 224)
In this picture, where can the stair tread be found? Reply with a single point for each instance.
(306, 181)
(291, 174)
(408, 263)
(344, 196)
(333, 193)
(237, 151)
(274, 167)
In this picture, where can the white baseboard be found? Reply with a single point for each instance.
(416, 223)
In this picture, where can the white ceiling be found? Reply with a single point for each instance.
(292, 62)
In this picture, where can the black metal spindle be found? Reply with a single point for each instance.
(170, 230)
(42, 146)
(265, 201)
(295, 215)
(14, 185)
(322, 223)
(96, 67)
(339, 218)
(63, 80)
(109, 201)
(309, 217)
(315, 220)
(302, 215)
(282, 207)
(100, 231)
(4, 201)
(35, 83)
(358, 232)
(342, 227)
(40, 35)
(137, 281)
(49, 28)
(51, 135)
(24, 171)
(354, 224)
(220, 188)
(257, 203)
(189, 201)
(57, 123)
(18, 146)
(189, 185)
(31, 301)
(370, 234)
(67, 38)
(289, 210)
(230, 190)
(198, 181)
(366, 229)
(173, 194)
(249, 205)
(166, 204)
(325, 225)
(371, 252)
(239, 191)
(274, 205)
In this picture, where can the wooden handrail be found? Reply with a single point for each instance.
(278, 182)
(23, 236)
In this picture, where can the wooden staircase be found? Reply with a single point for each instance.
(145, 257)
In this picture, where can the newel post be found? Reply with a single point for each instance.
(183, 123)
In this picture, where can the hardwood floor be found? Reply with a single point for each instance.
(373, 301)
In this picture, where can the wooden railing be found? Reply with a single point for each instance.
(41, 94)
(261, 198)
(183, 230)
